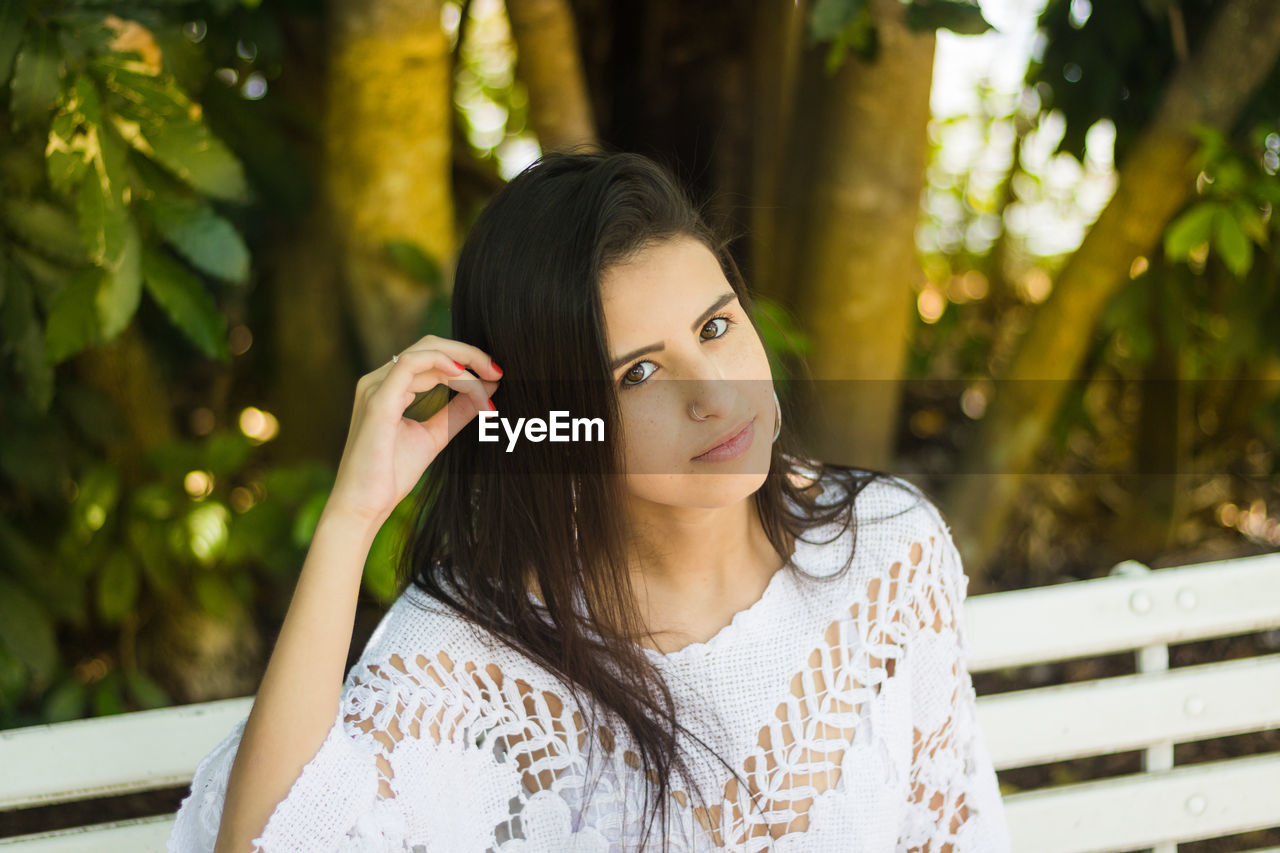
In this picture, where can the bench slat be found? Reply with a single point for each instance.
(118, 754)
(1128, 712)
(1114, 614)
(1141, 810)
(142, 835)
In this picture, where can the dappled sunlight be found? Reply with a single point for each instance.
(258, 425)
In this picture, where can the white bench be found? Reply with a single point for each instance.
(1134, 609)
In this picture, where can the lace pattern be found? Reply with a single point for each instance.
(843, 706)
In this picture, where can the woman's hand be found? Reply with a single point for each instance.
(386, 452)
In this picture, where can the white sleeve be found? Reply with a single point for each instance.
(333, 805)
(954, 803)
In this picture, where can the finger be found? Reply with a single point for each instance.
(422, 370)
(473, 389)
(452, 417)
(474, 358)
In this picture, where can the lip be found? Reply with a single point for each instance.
(730, 446)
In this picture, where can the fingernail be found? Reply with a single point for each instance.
(495, 366)
(459, 366)
(491, 405)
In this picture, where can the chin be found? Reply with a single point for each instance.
(720, 489)
(700, 485)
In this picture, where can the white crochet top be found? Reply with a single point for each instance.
(845, 707)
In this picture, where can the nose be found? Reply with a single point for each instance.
(705, 389)
(711, 396)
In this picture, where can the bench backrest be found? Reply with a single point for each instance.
(1143, 611)
(1133, 610)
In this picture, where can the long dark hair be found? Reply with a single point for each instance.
(527, 291)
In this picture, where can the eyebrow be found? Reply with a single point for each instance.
(697, 324)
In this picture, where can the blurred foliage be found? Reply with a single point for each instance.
(849, 25)
(128, 164)
(90, 558)
(1111, 62)
(1206, 306)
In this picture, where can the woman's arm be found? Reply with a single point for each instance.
(295, 704)
(384, 458)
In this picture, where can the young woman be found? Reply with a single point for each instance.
(657, 637)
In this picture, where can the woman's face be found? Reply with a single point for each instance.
(679, 340)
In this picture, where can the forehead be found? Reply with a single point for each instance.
(679, 269)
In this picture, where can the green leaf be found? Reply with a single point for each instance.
(44, 575)
(379, 577)
(27, 631)
(73, 136)
(12, 23)
(37, 76)
(216, 596)
(66, 701)
(187, 302)
(1231, 243)
(1228, 177)
(308, 517)
(200, 235)
(437, 319)
(85, 33)
(46, 277)
(22, 335)
(118, 299)
(151, 547)
(107, 696)
(117, 587)
(1192, 228)
(145, 691)
(45, 226)
(97, 496)
(13, 680)
(407, 256)
(155, 117)
(156, 501)
(101, 204)
(22, 170)
(73, 319)
(1250, 218)
(226, 452)
(829, 18)
(962, 17)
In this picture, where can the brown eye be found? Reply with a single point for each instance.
(727, 323)
(630, 379)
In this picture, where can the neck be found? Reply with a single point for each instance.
(693, 568)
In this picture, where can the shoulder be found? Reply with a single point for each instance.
(903, 565)
(885, 516)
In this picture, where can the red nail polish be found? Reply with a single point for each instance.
(459, 366)
(492, 406)
(495, 366)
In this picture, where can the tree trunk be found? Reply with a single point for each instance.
(850, 221)
(778, 41)
(548, 62)
(671, 80)
(388, 161)
(311, 349)
(1152, 186)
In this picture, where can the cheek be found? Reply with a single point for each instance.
(647, 434)
(747, 356)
